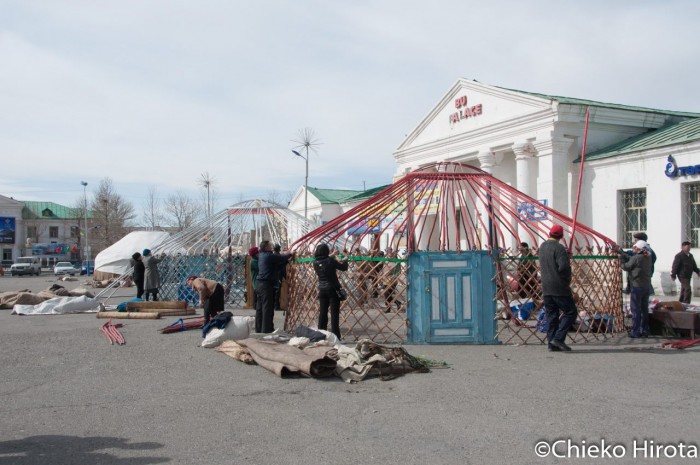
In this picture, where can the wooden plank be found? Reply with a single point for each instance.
(129, 315)
(175, 312)
(161, 304)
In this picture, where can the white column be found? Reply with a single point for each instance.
(524, 153)
(553, 172)
(487, 160)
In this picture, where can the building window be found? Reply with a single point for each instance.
(691, 200)
(633, 209)
(31, 232)
(74, 232)
(53, 232)
(7, 254)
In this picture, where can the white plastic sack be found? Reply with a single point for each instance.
(238, 328)
(59, 306)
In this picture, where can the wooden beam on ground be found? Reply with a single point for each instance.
(160, 304)
(129, 315)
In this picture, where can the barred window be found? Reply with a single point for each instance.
(633, 215)
(691, 200)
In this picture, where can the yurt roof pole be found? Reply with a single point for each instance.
(580, 179)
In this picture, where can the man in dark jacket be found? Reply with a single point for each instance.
(639, 268)
(559, 306)
(138, 275)
(268, 271)
(683, 266)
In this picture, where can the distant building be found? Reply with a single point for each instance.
(45, 229)
(325, 204)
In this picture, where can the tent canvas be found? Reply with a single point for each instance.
(116, 258)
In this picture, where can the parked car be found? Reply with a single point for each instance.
(88, 267)
(64, 268)
(26, 265)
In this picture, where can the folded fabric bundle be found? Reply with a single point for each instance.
(285, 360)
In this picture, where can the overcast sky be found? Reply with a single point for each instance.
(155, 93)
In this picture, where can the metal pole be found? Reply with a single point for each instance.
(306, 186)
(87, 243)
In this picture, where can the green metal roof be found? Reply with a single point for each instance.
(48, 210)
(366, 194)
(672, 134)
(332, 195)
(593, 103)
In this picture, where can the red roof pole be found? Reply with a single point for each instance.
(580, 179)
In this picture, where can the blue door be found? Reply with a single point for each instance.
(451, 298)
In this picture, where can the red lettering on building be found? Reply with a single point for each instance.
(465, 112)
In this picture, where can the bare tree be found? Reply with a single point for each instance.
(152, 213)
(282, 198)
(182, 211)
(110, 213)
(77, 225)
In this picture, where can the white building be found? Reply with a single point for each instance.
(534, 141)
(322, 205)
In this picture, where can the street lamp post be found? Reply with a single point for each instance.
(87, 246)
(306, 180)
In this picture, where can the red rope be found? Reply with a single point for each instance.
(680, 344)
(112, 333)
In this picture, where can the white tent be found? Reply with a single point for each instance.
(116, 258)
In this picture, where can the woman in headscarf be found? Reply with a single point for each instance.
(211, 295)
(152, 277)
(325, 266)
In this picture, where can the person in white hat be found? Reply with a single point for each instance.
(639, 268)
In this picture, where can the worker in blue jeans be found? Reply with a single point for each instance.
(559, 306)
(639, 268)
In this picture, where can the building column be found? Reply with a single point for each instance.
(524, 153)
(553, 172)
(487, 160)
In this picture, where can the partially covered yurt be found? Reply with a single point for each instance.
(437, 258)
(216, 248)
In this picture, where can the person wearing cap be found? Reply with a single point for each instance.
(151, 275)
(683, 267)
(639, 268)
(559, 306)
(138, 274)
(211, 295)
(268, 270)
(641, 236)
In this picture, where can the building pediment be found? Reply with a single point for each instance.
(470, 106)
(8, 202)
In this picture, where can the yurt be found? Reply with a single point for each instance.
(216, 248)
(437, 258)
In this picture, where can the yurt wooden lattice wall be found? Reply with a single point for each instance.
(216, 248)
(414, 261)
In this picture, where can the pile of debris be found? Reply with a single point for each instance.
(25, 297)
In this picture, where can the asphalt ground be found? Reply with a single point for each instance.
(69, 397)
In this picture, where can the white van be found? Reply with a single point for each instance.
(26, 265)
